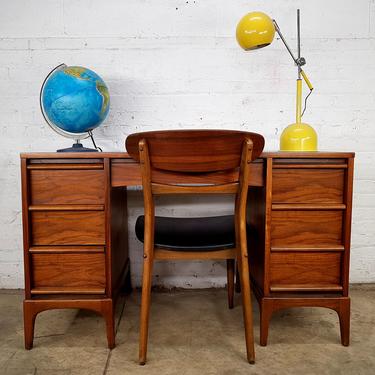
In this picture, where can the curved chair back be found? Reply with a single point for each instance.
(194, 150)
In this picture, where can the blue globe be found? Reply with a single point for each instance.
(74, 99)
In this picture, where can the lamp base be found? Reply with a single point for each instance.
(299, 137)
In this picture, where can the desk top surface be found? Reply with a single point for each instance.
(125, 155)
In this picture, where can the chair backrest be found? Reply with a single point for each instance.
(192, 155)
(172, 160)
(194, 151)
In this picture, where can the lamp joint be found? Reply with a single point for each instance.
(300, 61)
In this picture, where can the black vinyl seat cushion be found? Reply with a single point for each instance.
(191, 234)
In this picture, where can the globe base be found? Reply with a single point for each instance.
(77, 147)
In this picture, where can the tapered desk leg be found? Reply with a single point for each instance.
(29, 316)
(265, 317)
(108, 314)
(344, 317)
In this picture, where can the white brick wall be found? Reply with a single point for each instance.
(176, 64)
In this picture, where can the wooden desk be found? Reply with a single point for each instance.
(75, 232)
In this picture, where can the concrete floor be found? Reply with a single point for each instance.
(191, 332)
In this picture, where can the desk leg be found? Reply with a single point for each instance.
(344, 315)
(104, 307)
(266, 310)
(29, 315)
(339, 304)
(108, 314)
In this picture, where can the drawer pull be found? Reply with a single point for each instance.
(319, 249)
(67, 207)
(305, 288)
(57, 290)
(66, 249)
(307, 207)
(65, 166)
(310, 166)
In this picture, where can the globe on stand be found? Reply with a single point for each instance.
(74, 100)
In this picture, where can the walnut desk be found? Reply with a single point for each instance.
(75, 232)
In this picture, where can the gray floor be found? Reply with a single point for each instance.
(191, 332)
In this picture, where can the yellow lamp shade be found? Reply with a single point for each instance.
(255, 30)
(299, 137)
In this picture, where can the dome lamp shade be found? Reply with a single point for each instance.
(255, 30)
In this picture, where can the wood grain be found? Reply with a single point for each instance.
(66, 249)
(308, 186)
(306, 228)
(68, 270)
(195, 150)
(124, 173)
(68, 228)
(165, 254)
(67, 187)
(306, 269)
(321, 156)
(63, 165)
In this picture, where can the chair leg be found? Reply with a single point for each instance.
(238, 284)
(145, 308)
(243, 267)
(230, 282)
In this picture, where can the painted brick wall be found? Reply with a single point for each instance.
(176, 64)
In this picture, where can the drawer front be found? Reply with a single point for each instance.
(308, 185)
(306, 228)
(67, 186)
(68, 228)
(68, 271)
(305, 269)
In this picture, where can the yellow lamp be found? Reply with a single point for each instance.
(256, 30)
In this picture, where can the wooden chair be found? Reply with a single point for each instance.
(220, 159)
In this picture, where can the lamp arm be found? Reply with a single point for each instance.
(307, 81)
(277, 28)
(300, 61)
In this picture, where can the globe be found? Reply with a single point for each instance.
(74, 101)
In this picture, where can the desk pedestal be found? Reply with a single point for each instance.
(75, 237)
(303, 217)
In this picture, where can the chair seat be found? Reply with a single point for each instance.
(191, 234)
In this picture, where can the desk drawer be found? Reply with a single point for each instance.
(296, 271)
(68, 272)
(67, 228)
(305, 228)
(297, 185)
(67, 186)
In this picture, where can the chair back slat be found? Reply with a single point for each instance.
(194, 150)
(190, 189)
(218, 177)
